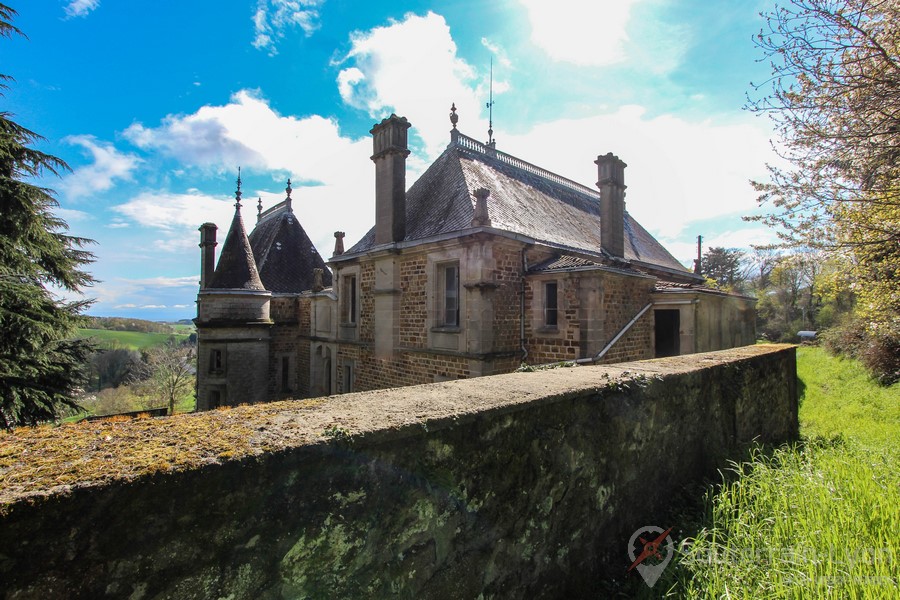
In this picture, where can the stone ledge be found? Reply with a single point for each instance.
(46, 461)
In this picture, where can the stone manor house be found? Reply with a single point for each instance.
(486, 262)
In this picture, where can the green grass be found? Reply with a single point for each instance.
(820, 519)
(134, 340)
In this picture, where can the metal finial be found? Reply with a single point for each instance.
(237, 194)
(288, 189)
(490, 107)
(454, 118)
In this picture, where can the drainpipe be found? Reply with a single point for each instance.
(522, 307)
(624, 330)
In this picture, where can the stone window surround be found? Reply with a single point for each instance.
(216, 360)
(443, 295)
(439, 336)
(348, 330)
(538, 302)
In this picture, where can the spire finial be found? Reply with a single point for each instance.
(258, 209)
(490, 107)
(288, 189)
(237, 194)
(454, 118)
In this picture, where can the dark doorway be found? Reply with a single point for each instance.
(668, 324)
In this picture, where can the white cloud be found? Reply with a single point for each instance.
(109, 165)
(170, 211)
(411, 67)
(69, 215)
(679, 171)
(592, 33)
(498, 52)
(579, 31)
(274, 17)
(80, 8)
(248, 132)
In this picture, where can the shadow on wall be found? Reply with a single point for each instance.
(518, 485)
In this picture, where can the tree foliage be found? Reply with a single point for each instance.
(725, 266)
(169, 372)
(835, 103)
(834, 97)
(40, 366)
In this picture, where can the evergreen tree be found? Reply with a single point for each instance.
(41, 367)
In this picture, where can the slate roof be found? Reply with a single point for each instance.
(236, 268)
(524, 199)
(564, 262)
(285, 256)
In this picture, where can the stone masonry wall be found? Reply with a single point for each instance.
(523, 485)
(623, 298)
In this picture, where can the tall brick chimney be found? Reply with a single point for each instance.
(611, 181)
(207, 252)
(390, 146)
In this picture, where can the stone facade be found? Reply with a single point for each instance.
(485, 263)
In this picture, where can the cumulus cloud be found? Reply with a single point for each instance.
(171, 212)
(273, 18)
(108, 166)
(383, 75)
(80, 8)
(247, 132)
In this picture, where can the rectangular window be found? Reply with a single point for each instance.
(449, 281)
(348, 377)
(285, 374)
(551, 299)
(215, 361)
(350, 300)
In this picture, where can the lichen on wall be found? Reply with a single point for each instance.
(519, 485)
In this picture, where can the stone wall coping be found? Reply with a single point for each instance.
(46, 462)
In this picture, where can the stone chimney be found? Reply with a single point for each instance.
(207, 252)
(481, 217)
(611, 181)
(338, 243)
(390, 152)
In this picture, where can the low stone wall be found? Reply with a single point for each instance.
(513, 486)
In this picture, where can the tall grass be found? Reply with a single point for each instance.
(820, 519)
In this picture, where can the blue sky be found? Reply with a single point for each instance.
(154, 105)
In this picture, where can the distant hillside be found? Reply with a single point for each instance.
(134, 340)
(126, 324)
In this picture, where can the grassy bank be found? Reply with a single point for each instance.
(818, 520)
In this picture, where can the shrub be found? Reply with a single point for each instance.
(879, 352)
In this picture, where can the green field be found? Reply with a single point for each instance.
(132, 339)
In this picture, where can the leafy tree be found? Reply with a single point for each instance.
(169, 372)
(114, 366)
(725, 266)
(40, 366)
(835, 102)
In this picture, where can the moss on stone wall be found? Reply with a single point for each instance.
(520, 485)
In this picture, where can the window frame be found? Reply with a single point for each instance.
(551, 298)
(349, 305)
(444, 295)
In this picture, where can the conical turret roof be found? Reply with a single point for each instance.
(237, 267)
